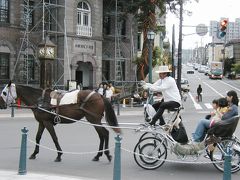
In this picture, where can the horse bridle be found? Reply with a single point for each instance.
(9, 94)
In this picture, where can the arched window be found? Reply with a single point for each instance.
(4, 65)
(84, 27)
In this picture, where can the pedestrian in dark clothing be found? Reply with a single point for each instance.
(199, 93)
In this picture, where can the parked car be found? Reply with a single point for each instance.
(185, 85)
(206, 71)
(190, 72)
(201, 69)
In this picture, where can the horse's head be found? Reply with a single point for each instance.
(8, 95)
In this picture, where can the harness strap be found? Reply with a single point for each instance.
(88, 96)
(43, 93)
(84, 102)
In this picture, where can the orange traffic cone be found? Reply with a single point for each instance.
(19, 103)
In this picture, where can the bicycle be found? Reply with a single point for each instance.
(151, 150)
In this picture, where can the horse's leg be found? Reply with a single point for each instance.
(106, 139)
(52, 132)
(41, 128)
(101, 137)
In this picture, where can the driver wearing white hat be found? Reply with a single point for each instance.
(171, 96)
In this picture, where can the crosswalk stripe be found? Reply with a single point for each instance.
(208, 105)
(198, 106)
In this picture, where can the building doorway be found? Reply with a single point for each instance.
(84, 74)
(79, 77)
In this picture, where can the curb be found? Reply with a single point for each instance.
(11, 175)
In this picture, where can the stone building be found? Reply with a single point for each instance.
(84, 52)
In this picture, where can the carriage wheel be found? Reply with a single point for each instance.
(150, 153)
(218, 155)
(148, 134)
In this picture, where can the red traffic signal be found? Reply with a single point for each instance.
(223, 24)
(223, 27)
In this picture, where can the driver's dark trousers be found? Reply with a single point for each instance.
(160, 107)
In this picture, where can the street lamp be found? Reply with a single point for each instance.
(150, 37)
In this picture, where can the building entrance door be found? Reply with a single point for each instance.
(79, 77)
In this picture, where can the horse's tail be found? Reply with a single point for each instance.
(111, 117)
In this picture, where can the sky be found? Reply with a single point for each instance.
(202, 13)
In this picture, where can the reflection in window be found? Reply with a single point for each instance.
(4, 66)
(4, 11)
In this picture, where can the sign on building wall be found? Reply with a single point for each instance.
(84, 47)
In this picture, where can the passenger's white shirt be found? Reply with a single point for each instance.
(168, 87)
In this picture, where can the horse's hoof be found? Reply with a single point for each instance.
(32, 156)
(109, 157)
(96, 158)
(58, 159)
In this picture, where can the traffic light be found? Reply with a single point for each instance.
(223, 27)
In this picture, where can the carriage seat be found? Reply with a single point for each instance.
(224, 128)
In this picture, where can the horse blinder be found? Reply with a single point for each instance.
(3, 104)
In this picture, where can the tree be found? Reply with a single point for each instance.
(236, 68)
(146, 12)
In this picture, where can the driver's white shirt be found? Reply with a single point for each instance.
(168, 87)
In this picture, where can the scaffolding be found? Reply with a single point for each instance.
(27, 63)
(118, 73)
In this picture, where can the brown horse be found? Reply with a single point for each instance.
(89, 104)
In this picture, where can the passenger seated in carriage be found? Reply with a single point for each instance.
(167, 85)
(205, 124)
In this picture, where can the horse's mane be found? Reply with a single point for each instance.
(30, 94)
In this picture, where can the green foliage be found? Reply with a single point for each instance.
(138, 60)
(236, 68)
(157, 53)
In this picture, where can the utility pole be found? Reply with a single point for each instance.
(179, 72)
(173, 51)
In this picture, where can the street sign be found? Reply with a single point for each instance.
(201, 29)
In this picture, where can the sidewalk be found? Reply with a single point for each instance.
(11, 175)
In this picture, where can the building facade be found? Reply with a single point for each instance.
(83, 34)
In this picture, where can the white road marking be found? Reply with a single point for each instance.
(208, 105)
(230, 85)
(213, 89)
(197, 106)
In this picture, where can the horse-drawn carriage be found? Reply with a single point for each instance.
(151, 151)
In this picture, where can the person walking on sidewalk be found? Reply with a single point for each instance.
(199, 93)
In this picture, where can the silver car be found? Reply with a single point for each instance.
(185, 85)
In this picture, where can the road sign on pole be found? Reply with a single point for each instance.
(201, 29)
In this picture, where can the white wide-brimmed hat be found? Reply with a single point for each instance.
(163, 69)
